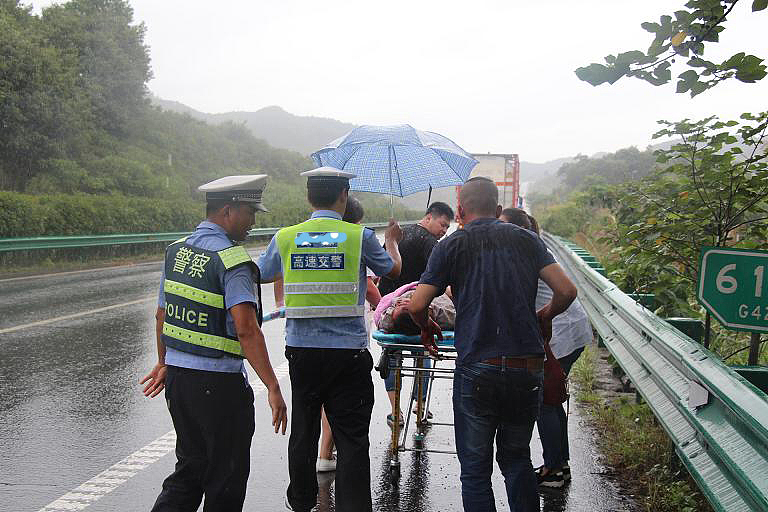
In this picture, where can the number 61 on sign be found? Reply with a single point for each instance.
(732, 286)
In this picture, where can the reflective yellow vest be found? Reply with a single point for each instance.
(321, 268)
(195, 312)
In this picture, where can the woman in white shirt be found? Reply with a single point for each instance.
(571, 332)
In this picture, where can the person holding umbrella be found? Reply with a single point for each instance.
(322, 262)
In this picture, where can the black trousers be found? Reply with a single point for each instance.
(340, 381)
(213, 416)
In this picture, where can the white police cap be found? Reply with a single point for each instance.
(328, 172)
(241, 189)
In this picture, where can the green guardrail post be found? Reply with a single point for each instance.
(691, 327)
(79, 241)
(756, 375)
(647, 300)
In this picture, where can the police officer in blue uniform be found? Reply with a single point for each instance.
(208, 318)
(323, 262)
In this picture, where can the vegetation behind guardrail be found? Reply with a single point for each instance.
(717, 419)
(50, 250)
(25, 215)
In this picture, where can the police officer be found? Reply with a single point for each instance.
(322, 262)
(208, 318)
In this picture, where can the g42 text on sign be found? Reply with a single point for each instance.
(732, 286)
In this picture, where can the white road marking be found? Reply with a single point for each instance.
(75, 315)
(69, 272)
(113, 477)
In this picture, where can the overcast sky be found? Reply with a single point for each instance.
(493, 76)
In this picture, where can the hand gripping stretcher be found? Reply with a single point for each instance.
(395, 350)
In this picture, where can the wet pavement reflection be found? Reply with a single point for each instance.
(71, 407)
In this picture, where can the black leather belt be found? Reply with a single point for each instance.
(523, 363)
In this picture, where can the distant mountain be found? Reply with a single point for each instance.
(279, 128)
(530, 171)
(306, 134)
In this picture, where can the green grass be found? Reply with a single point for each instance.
(635, 446)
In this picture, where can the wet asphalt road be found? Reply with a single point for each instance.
(71, 408)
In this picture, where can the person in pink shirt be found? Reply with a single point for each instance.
(392, 315)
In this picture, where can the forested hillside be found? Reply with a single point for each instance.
(76, 124)
(279, 128)
(76, 117)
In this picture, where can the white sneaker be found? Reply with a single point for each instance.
(325, 465)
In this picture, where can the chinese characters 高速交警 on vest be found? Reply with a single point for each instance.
(195, 311)
(321, 268)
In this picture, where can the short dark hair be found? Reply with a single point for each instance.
(214, 205)
(517, 216)
(534, 225)
(438, 209)
(404, 324)
(324, 193)
(479, 196)
(354, 212)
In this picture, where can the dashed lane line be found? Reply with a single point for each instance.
(75, 315)
(93, 490)
(82, 271)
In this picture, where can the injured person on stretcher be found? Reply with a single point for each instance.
(392, 313)
(392, 316)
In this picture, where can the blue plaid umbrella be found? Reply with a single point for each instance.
(397, 160)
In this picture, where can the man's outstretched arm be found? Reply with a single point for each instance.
(419, 309)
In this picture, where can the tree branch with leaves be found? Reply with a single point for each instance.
(684, 34)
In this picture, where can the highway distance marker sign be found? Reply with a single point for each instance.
(733, 286)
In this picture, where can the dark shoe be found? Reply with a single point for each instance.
(288, 506)
(391, 420)
(429, 414)
(566, 472)
(553, 479)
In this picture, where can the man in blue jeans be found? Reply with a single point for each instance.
(493, 270)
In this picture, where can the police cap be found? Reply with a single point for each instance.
(327, 176)
(238, 189)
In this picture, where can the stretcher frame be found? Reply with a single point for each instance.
(400, 347)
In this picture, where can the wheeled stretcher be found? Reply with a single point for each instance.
(396, 349)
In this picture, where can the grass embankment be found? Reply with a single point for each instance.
(634, 445)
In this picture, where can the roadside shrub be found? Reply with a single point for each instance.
(23, 215)
(26, 215)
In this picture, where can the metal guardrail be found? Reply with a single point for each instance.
(63, 242)
(717, 420)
